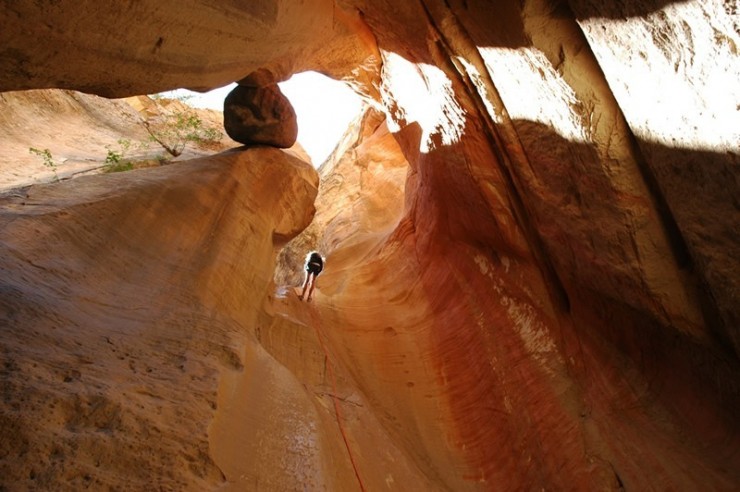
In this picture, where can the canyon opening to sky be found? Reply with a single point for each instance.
(324, 107)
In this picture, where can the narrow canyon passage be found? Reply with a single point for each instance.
(531, 240)
(440, 395)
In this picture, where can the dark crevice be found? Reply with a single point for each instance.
(619, 480)
(681, 251)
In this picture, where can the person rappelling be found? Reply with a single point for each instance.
(314, 265)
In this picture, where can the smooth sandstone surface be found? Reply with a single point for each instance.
(532, 262)
(124, 298)
(78, 130)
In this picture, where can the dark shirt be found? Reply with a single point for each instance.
(315, 264)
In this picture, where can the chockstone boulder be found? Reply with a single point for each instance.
(260, 116)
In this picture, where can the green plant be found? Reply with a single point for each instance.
(212, 135)
(47, 158)
(174, 130)
(115, 160)
(125, 144)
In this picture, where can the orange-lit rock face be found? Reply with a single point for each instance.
(360, 196)
(550, 304)
(82, 46)
(123, 301)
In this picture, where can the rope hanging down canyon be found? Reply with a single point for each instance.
(316, 322)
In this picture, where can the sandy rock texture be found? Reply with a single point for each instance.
(147, 48)
(78, 129)
(686, 123)
(532, 261)
(113, 351)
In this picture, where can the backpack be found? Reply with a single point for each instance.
(316, 258)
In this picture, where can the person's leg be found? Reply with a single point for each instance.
(305, 285)
(313, 285)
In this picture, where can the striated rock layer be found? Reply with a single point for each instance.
(545, 299)
(76, 128)
(123, 302)
(79, 129)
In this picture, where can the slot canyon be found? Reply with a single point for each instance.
(531, 233)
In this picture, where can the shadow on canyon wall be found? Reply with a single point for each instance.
(586, 228)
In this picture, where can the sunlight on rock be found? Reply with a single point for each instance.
(536, 91)
(325, 108)
(423, 94)
(684, 97)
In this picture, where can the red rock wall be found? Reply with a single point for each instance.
(560, 302)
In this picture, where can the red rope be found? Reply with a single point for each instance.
(316, 323)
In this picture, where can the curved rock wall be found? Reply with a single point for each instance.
(115, 50)
(554, 305)
(124, 298)
(360, 196)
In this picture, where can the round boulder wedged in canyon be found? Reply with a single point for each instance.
(260, 115)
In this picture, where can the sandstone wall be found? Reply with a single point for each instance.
(116, 50)
(124, 303)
